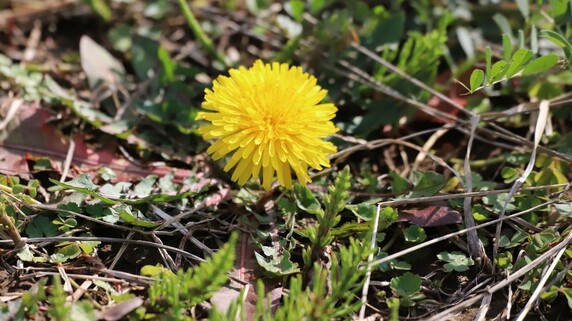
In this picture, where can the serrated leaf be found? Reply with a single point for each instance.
(364, 211)
(406, 285)
(476, 80)
(456, 261)
(306, 200)
(541, 64)
(41, 226)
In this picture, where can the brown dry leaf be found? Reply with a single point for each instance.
(121, 309)
(28, 136)
(430, 214)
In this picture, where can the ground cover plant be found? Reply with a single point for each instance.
(285, 160)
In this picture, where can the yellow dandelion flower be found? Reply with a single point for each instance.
(270, 117)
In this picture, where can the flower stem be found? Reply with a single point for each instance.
(196, 28)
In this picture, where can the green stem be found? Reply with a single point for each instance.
(5, 188)
(481, 162)
(198, 31)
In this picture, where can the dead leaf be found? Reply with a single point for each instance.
(99, 65)
(29, 136)
(430, 214)
(121, 309)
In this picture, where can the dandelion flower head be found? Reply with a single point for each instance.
(269, 118)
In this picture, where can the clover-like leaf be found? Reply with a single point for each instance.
(414, 234)
(407, 285)
(456, 261)
(41, 226)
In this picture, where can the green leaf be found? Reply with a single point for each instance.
(524, 8)
(83, 310)
(507, 47)
(504, 25)
(504, 260)
(510, 174)
(306, 200)
(541, 241)
(106, 173)
(414, 234)
(144, 56)
(557, 38)
(534, 39)
(398, 183)
(498, 202)
(514, 241)
(427, 184)
(564, 209)
(406, 285)
(129, 218)
(335, 200)
(364, 211)
(456, 261)
(498, 70)
(156, 9)
(57, 258)
(69, 251)
(568, 294)
(296, 9)
(81, 184)
(169, 66)
(519, 60)
(558, 10)
(194, 285)
(278, 265)
(541, 64)
(101, 7)
(316, 6)
(41, 226)
(145, 186)
(88, 247)
(488, 60)
(154, 270)
(477, 77)
(25, 254)
(480, 213)
(120, 37)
